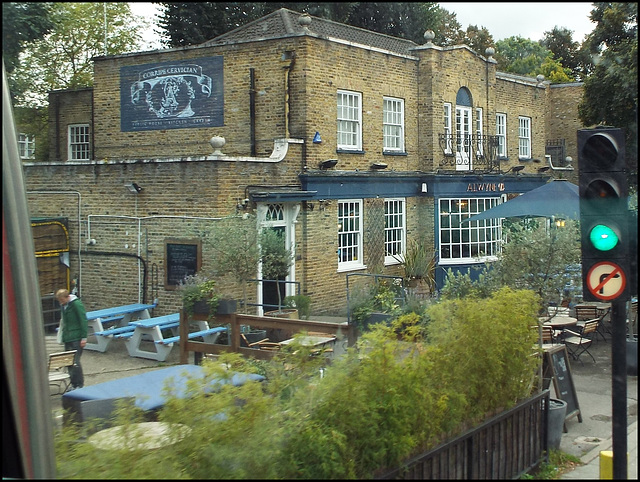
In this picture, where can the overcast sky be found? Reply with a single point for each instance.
(526, 19)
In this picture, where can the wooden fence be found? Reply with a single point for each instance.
(234, 321)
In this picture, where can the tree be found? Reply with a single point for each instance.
(233, 244)
(194, 23)
(565, 50)
(520, 56)
(275, 257)
(611, 91)
(62, 58)
(534, 257)
(22, 23)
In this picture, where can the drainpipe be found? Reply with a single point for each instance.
(252, 110)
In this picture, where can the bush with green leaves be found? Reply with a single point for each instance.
(535, 257)
(402, 390)
(199, 287)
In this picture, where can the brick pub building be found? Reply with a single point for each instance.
(352, 143)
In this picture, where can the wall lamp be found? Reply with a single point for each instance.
(133, 187)
(379, 165)
(543, 169)
(328, 164)
(568, 167)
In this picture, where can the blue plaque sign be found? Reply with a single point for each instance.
(172, 95)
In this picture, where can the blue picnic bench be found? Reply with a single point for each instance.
(151, 330)
(120, 315)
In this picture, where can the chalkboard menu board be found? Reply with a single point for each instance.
(182, 258)
(556, 361)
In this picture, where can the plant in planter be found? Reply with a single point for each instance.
(302, 303)
(419, 265)
(276, 258)
(199, 294)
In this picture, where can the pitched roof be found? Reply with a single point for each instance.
(284, 23)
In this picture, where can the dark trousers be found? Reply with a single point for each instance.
(75, 372)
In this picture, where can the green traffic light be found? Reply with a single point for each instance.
(603, 237)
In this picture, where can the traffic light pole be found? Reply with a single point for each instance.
(619, 388)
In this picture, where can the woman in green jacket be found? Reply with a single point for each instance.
(74, 332)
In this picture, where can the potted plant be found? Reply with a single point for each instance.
(276, 259)
(302, 303)
(199, 294)
(419, 265)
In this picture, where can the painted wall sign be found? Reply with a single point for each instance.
(485, 187)
(172, 95)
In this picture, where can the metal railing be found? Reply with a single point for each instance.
(504, 447)
(471, 152)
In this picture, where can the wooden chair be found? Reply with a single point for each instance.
(590, 313)
(549, 335)
(59, 364)
(579, 343)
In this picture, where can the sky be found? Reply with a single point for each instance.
(526, 19)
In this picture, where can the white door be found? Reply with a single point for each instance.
(463, 138)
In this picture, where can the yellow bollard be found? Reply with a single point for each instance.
(606, 464)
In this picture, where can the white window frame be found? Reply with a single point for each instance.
(349, 117)
(479, 132)
(447, 128)
(524, 137)
(393, 124)
(464, 161)
(501, 133)
(26, 146)
(470, 242)
(350, 251)
(395, 230)
(79, 142)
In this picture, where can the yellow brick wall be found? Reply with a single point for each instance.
(181, 197)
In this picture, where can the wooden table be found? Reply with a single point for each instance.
(139, 436)
(311, 340)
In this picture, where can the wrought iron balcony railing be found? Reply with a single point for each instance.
(469, 153)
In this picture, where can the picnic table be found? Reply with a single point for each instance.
(120, 315)
(151, 330)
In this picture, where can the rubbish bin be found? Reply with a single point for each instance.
(555, 422)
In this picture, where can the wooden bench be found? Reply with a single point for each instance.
(151, 330)
(128, 334)
(205, 334)
(120, 315)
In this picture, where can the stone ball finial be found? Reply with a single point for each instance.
(217, 143)
(489, 51)
(429, 36)
(540, 78)
(304, 20)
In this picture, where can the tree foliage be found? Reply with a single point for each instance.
(611, 92)
(535, 258)
(194, 23)
(61, 59)
(22, 23)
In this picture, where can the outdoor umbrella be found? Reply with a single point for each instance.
(557, 198)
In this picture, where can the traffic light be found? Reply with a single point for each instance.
(604, 215)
